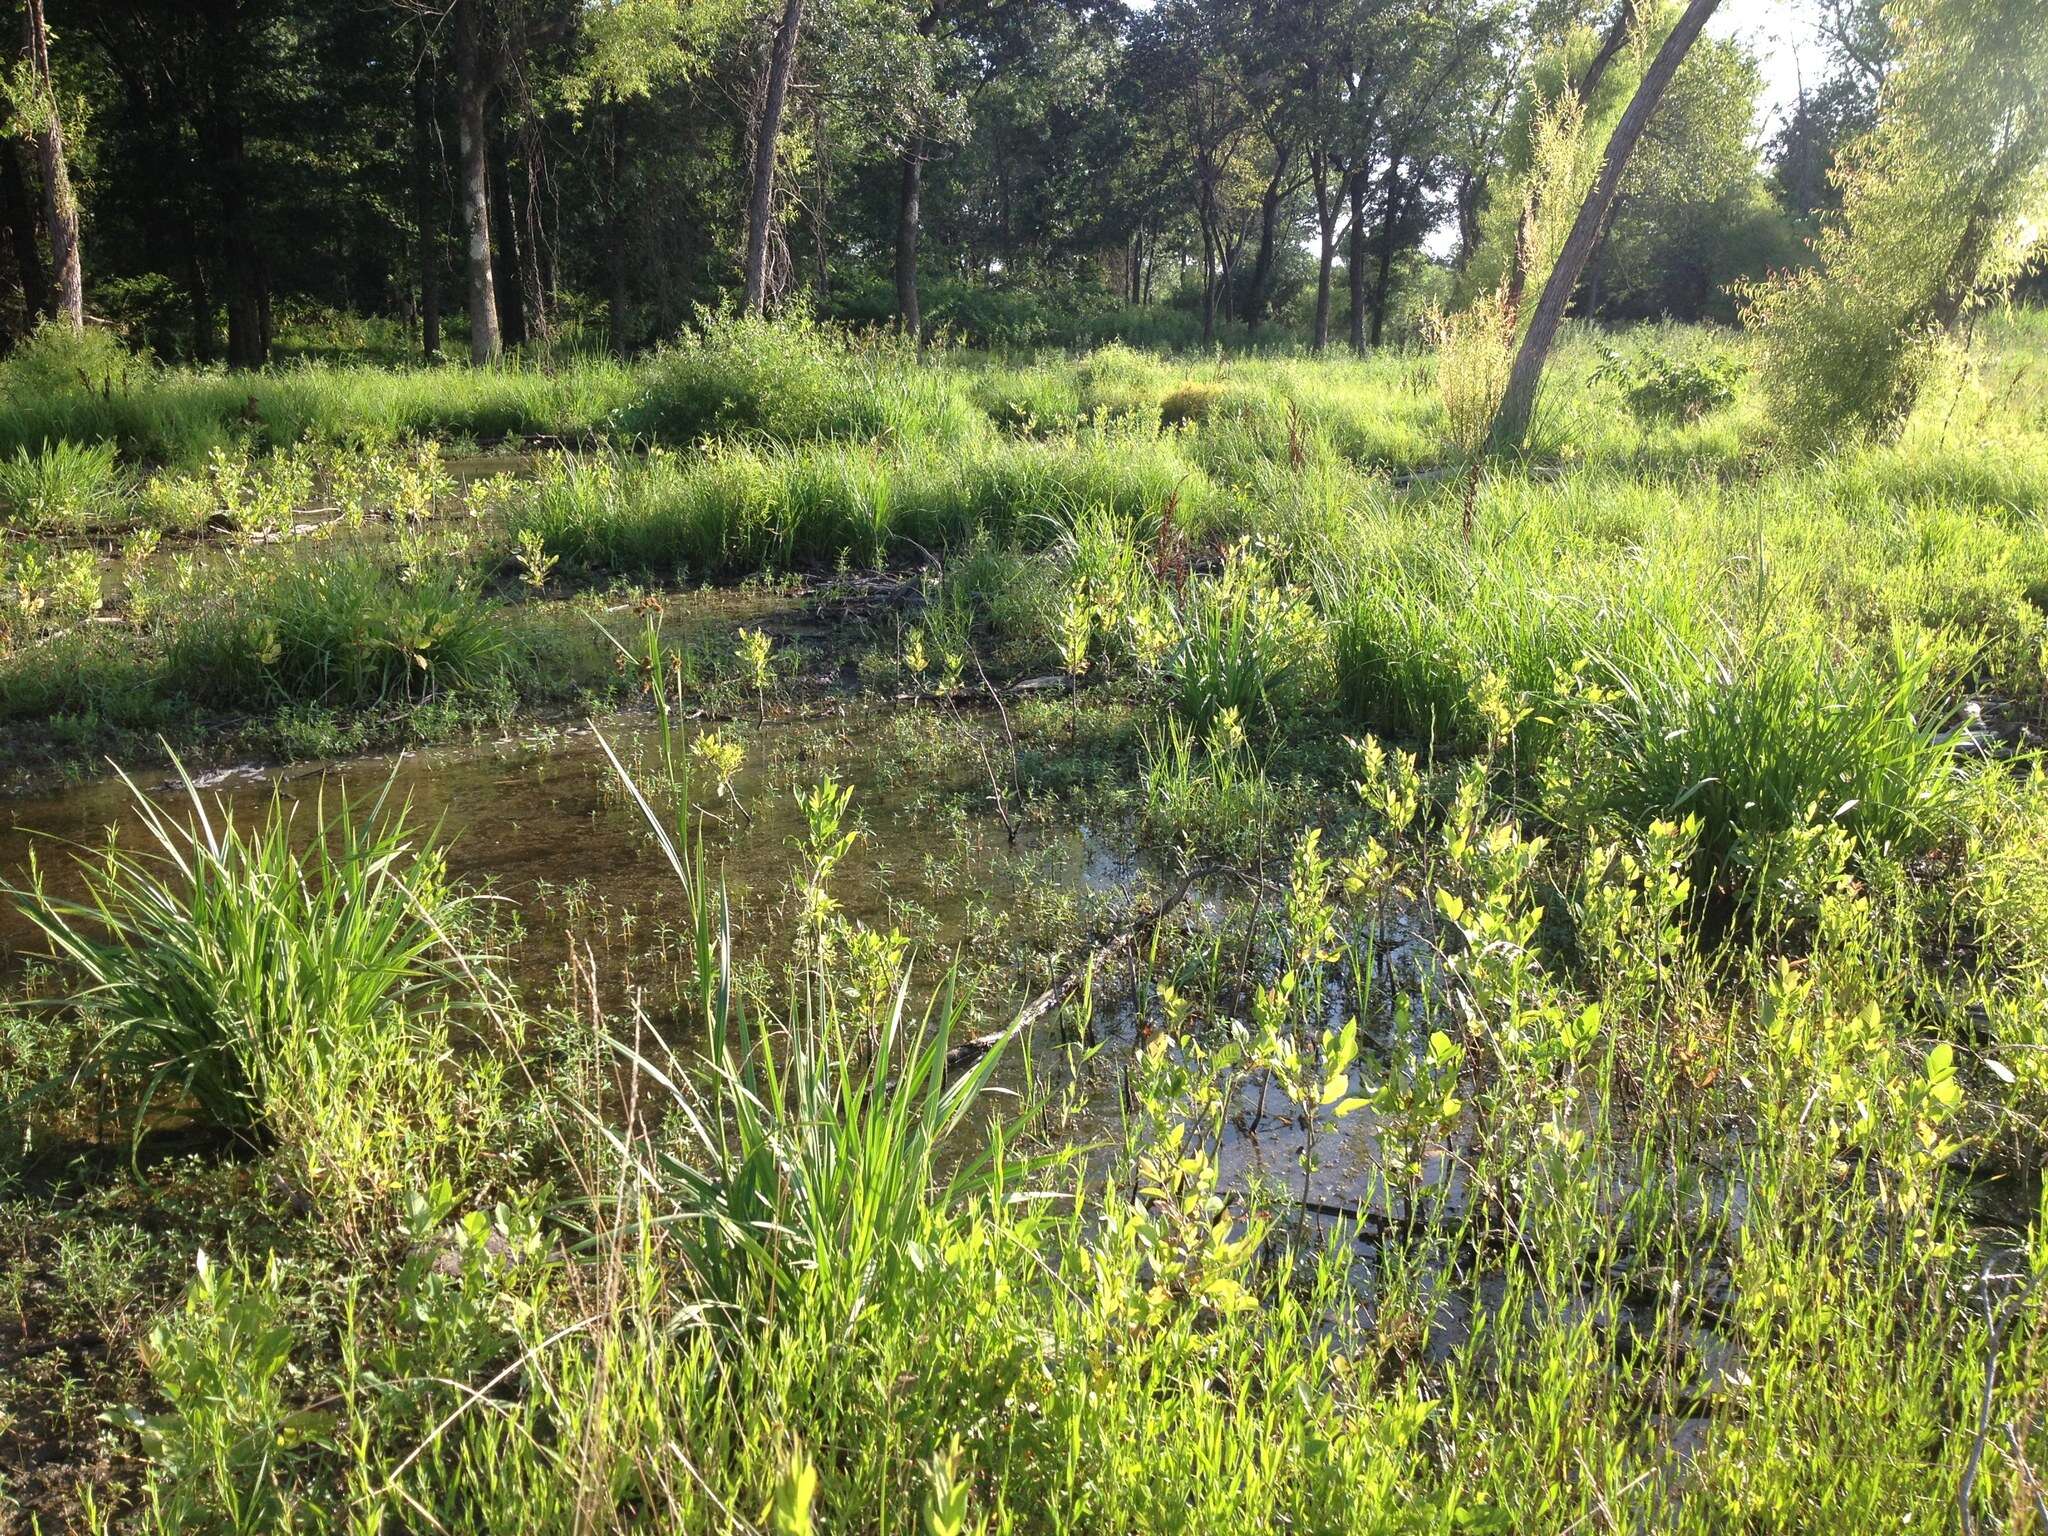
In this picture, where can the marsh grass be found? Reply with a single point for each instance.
(1762, 743)
(226, 969)
(805, 1238)
(60, 485)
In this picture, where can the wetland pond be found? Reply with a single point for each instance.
(540, 821)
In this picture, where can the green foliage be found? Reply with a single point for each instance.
(1658, 386)
(41, 587)
(57, 362)
(789, 381)
(1941, 208)
(1763, 746)
(223, 1453)
(344, 633)
(1246, 645)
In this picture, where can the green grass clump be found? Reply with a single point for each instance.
(789, 383)
(62, 484)
(1763, 744)
(347, 633)
(227, 969)
(736, 509)
(1245, 646)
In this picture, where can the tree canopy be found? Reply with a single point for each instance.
(251, 169)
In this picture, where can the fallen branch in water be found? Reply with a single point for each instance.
(1057, 994)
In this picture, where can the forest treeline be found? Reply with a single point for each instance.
(494, 173)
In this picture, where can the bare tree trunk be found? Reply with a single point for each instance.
(224, 136)
(1208, 283)
(538, 272)
(426, 217)
(1326, 261)
(200, 295)
(1269, 234)
(472, 87)
(1329, 206)
(767, 138)
(821, 209)
(60, 204)
(909, 317)
(1471, 188)
(1518, 403)
(21, 229)
(1355, 260)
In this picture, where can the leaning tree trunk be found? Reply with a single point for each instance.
(761, 204)
(1518, 403)
(425, 215)
(471, 87)
(909, 318)
(60, 204)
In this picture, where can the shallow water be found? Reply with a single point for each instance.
(542, 821)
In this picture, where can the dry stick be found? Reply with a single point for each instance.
(1009, 736)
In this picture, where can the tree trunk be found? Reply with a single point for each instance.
(617, 287)
(1326, 260)
(1390, 233)
(1518, 403)
(909, 319)
(1471, 188)
(1355, 261)
(510, 265)
(21, 229)
(425, 215)
(244, 277)
(1208, 282)
(761, 204)
(205, 340)
(1329, 206)
(1269, 236)
(60, 204)
(472, 86)
(537, 274)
